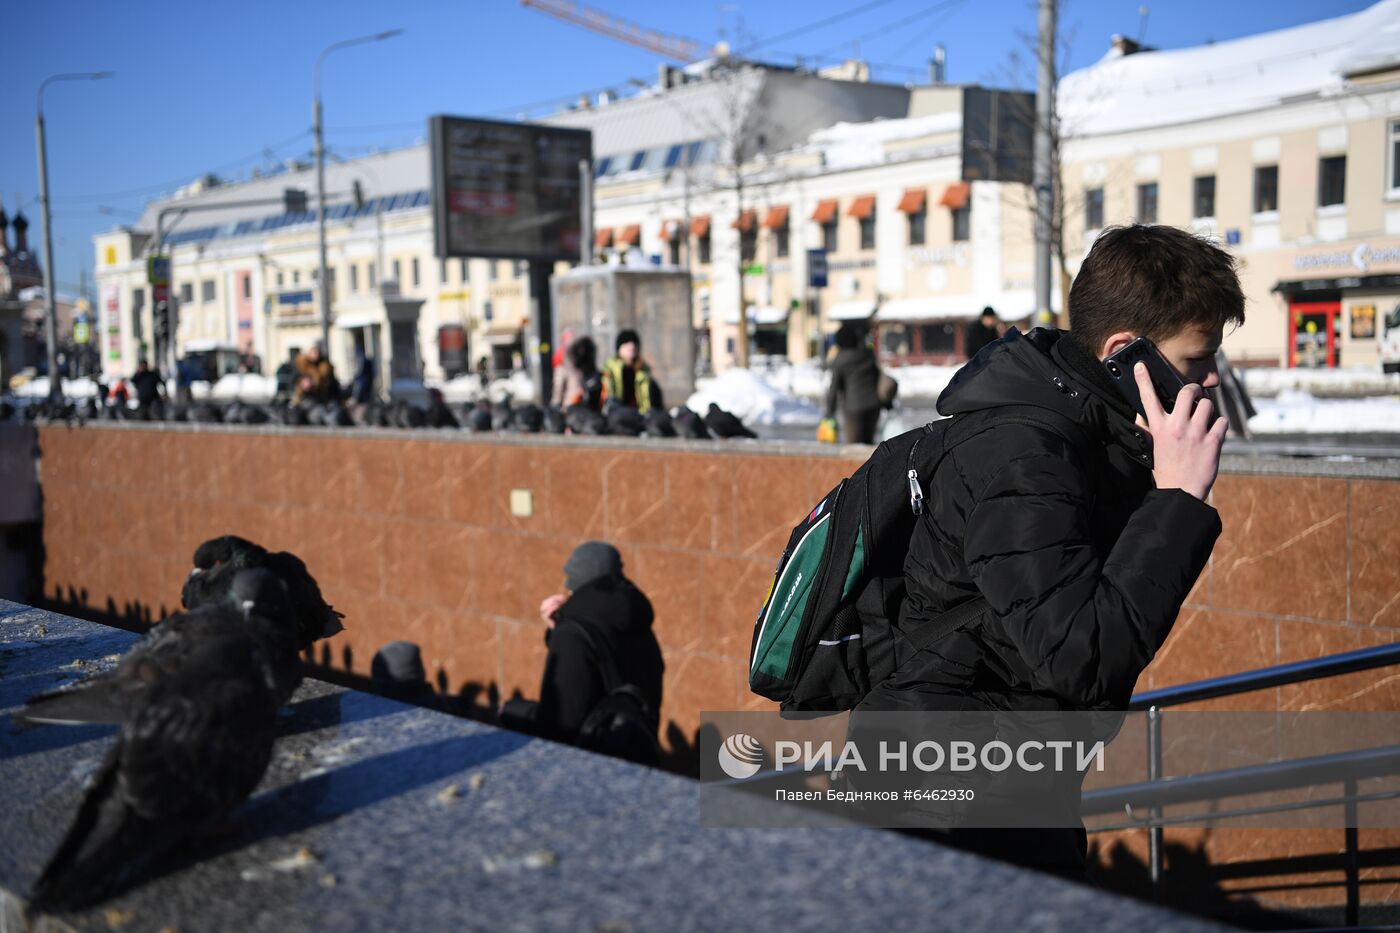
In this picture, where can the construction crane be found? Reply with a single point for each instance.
(675, 48)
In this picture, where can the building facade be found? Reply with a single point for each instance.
(1285, 146)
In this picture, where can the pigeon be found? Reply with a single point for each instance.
(439, 415)
(297, 417)
(502, 414)
(336, 415)
(528, 419)
(198, 711)
(624, 419)
(554, 422)
(689, 424)
(583, 420)
(407, 415)
(217, 563)
(724, 424)
(479, 418)
(204, 413)
(658, 424)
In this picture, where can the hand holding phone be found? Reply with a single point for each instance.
(1186, 441)
(1165, 383)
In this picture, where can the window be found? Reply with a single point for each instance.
(702, 248)
(280, 280)
(675, 252)
(867, 230)
(186, 293)
(414, 272)
(780, 241)
(370, 279)
(442, 271)
(962, 223)
(491, 271)
(637, 159)
(918, 222)
(138, 300)
(486, 311)
(521, 268)
(395, 267)
(296, 276)
(1331, 180)
(1203, 198)
(1394, 174)
(748, 243)
(937, 338)
(206, 291)
(247, 287)
(673, 155)
(1265, 188)
(829, 235)
(464, 272)
(602, 167)
(354, 278)
(1093, 209)
(1147, 203)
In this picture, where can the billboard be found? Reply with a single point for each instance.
(507, 190)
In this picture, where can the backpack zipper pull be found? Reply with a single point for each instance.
(916, 493)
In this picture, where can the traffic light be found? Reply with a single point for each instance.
(162, 321)
(294, 200)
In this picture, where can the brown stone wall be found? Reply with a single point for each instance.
(413, 537)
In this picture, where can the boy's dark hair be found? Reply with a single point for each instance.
(1154, 281)
(583, 354)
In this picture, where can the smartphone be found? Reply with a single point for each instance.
(1164, 378)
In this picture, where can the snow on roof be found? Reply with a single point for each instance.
(1155, 88)
(850, 145)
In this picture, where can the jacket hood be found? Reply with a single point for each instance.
(611, 603)
(1026, 369)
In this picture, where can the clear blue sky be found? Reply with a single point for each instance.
(204, 86)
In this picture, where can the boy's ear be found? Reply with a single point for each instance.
(1115, 343)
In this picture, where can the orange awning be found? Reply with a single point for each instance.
(629, 235)
(913, 200)
(602, 237)
(700, 226)
(825, 212)
(863, 206)
(746, 220)
(777, 218)
(955, 195)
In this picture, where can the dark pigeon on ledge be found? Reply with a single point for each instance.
(554, 421)
(688, 424)
(725, 425)
(581, 419)
(659, 424)
(529, 419)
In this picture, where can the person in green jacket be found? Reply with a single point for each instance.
(627, 378)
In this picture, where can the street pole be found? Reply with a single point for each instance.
(322, 285)
(1044, 181)
(50, 278)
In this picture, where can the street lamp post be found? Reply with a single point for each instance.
(322, 294)
(50, 307)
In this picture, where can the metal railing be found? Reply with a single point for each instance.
(1346, 767)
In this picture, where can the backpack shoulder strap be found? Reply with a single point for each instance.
(607, 664)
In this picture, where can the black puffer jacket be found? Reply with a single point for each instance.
(617, 612)
(1084, 562)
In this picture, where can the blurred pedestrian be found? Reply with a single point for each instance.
(316, 380)
(627, 378)
(578, 381)
(855, 380)
(981, 332)
(150, 393)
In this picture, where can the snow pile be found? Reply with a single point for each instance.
(38, 387)
(1297, 412)
(1157, 88)
(922, 381)
(851, 145)
(806, 379)
(461, 389)
(1358, 382)
(246, 387)
(744, 393)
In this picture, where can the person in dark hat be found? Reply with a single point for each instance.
(601, 620)
(627, 378)
(981, 332)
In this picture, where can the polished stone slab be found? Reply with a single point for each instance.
(379, 816)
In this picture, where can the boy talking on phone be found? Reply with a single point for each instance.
(1084, 533)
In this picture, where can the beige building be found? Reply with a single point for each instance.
(1285, 146)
